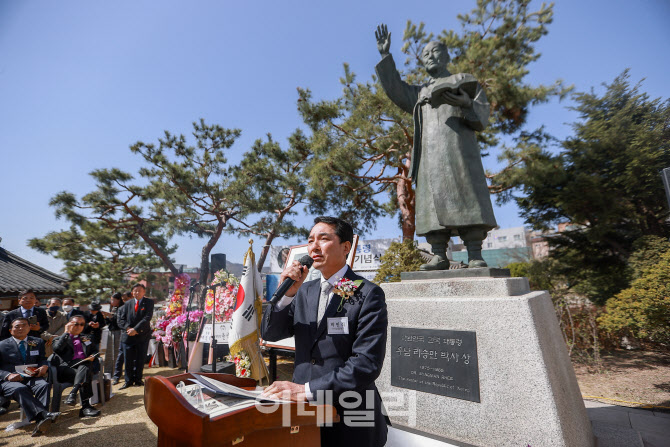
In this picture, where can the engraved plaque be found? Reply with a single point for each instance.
(435, 361)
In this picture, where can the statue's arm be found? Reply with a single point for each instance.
(401, 93)
(477, 115)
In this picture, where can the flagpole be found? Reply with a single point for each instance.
(259, 355)
(188, 321)
(213, 344)
(242, 337)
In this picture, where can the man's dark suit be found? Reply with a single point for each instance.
(42, 319)
(62, 358)
(73, 312)
(135, 347)
(32, 394)
(337, 362)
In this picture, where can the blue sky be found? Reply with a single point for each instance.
(81, 81)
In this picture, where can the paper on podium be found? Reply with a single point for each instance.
(226, 397)
(225, 389)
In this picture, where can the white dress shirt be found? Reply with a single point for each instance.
(286, 300)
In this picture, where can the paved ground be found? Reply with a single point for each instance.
(617, 426)
(124, 422)
(614, 426)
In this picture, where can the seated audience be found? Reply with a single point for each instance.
(70, 351)
(29, 389)
(27, 309)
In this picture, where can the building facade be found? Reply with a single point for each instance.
(17, 274)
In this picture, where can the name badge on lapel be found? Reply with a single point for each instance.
(338, 325)
(34, 352)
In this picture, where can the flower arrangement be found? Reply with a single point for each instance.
(169, 326)
(177, 327)
(164, 324)
(178, 300)
(346, 288)
(171, 330)
(242, 364)
(223, 301)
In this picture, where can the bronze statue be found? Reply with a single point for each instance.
(452, 197)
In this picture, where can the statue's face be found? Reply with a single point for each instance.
(434, 58)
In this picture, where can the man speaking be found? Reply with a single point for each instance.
(339, 324)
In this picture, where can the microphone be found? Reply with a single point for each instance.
(288, 282)
(194, 285)
(214, 286)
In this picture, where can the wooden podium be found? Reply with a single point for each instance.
(180, 424)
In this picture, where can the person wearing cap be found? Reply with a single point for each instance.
(95, 321)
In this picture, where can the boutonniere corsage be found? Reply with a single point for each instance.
(85, 338)
(32, 343)
(346, 289)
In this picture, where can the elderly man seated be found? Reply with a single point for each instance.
(29, 387)
(73, 357)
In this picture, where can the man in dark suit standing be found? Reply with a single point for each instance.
(339, 324)
(29, 389)
(134, 319)
(27, 309)
(73, 360)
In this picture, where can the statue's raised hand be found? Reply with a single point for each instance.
(383, 39)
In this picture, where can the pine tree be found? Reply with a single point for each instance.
(605, 180)
(98, 259)
(276, 181)
(190, 189)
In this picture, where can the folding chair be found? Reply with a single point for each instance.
(58, 388)
(23, 421)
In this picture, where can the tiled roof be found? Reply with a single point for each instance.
(17, 274)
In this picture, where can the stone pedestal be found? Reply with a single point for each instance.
(528, 391)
